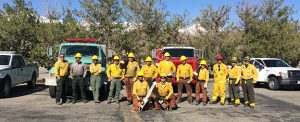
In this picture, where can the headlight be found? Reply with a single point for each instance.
(284, 74)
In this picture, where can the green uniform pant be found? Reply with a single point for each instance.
(115, 85)
(95, 84)
(234, 90)
(61, 89)
(248, 91)
(78, 81)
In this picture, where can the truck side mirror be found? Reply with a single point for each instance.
(49, 52)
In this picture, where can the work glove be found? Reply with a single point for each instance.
(237, 82)
(195, 73)
(190, 81)
(205, 85)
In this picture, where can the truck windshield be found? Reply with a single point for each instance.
(71, 50)
(4, 59)
(275, 63)
(179, 52)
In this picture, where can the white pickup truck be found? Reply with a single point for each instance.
(276, 73)
(13, 71)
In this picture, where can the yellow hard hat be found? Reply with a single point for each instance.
(140, 74)
(94, 57)
(116, 58)
(78, 55)
(167, 54)
(163, 75)
(182, 58)
(130, 55)
(234, 59)
(247, 58)
(148, 59)
(203, 62)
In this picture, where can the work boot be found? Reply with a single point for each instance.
(117, 101)
(213, 102)
(222, 103)
(178, 100)
(73, 101)
(190, 102)
(246, 105)
(230, 103)
(129, 102)
(97, 101)
(196, 102)
(204, 103)
(58, 103)
(108, 101)
(236, 105)
(252, 107)
(84, 101)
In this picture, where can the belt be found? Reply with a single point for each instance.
(117, 77)
(78, 76)
(184, 78)
(232, 78)
(201, 80)
(248, 79)
(129, 77)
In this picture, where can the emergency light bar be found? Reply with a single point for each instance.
(91, 40)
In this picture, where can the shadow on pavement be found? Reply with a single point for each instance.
(22, 90)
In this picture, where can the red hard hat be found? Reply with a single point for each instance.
(220, 57)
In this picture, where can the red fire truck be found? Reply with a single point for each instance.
(192, 54)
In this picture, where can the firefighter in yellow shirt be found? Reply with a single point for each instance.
(95, 80)
(249, 77)
(184, 77)
(165, 90)
(234, 76)
(150, 73)
(220, 73)
(130, 71)
(115, 75)
(203, 77)
(140, 90)
(167, 67)
(61, 70)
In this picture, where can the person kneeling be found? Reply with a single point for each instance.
(167, 99)
(140, 90)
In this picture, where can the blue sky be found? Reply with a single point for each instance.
(194, 7)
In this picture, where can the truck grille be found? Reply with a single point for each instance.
(294, 74)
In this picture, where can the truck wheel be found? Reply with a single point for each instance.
(52, 91)
(273, 83)
(6, 88)
(32, 84)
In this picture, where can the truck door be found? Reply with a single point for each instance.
(261, 71)
(16, 70)
(25, 71)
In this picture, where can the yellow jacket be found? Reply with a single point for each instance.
(220, 72)
(95, 69)
(61, 68)
(132, 69)
(249, 72)
(203, 75)
(166, 91)
(114, 71)
(235, 72)
(140, 89)
(149, 71)
(184, 71)
(166, 67)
